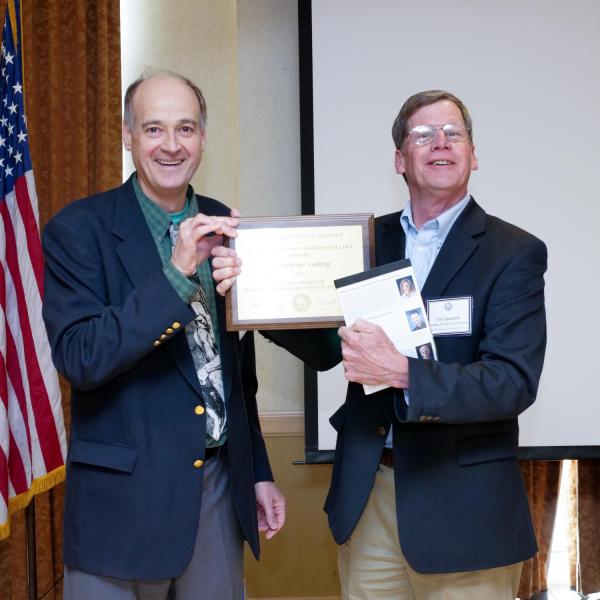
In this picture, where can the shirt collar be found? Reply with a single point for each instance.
(157, 218)
(443, 223)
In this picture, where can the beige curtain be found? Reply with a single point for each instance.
(72, 63)
(542, 480)
(586, 560)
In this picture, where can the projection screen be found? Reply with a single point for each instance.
(530, 74)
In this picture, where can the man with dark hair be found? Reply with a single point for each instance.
(167, 471)
(427, 499)
(415, 320)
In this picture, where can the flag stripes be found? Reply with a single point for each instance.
(32, 436)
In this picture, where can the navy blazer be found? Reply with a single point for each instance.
(133, 494)
(461, 502)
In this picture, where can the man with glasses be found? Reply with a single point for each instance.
(427, 500)
(447, 509)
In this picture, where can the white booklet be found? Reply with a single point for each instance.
(389, 297)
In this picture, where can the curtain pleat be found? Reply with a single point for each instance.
(588, 520)
(572, 524)
(542, 481)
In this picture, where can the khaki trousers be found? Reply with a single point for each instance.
(372, 566)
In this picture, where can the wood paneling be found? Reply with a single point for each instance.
(300, 562)
(283, 423)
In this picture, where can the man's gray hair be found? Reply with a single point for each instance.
(128, 116)
(415, 102)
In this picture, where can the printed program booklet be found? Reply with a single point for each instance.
(389, 297)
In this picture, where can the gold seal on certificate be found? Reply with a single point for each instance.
(288, 268)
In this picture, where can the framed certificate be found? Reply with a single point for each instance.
(288, 268)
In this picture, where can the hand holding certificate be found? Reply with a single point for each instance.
(388, 296)
(288, 268)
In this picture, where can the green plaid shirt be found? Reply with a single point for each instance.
(158, 221)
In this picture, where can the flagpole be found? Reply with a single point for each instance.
(30, 542)
(31, 551)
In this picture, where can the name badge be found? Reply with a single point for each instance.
(450, 316)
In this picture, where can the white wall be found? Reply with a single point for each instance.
(244, 56)
(197, 38)
(270, 155)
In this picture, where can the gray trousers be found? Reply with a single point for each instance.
(215, 571)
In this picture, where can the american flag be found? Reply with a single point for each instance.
(32, 435)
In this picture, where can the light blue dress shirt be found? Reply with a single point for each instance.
(422, 247)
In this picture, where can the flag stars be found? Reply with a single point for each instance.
(14, 137)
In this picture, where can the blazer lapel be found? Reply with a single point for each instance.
(179, 350)
(136, 248)
(390, 240)
(458, 247)
(140, 259)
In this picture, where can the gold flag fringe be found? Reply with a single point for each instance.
(38, 486)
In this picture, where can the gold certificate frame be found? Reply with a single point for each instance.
(288, 268)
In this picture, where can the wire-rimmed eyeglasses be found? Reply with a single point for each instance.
(423, 135)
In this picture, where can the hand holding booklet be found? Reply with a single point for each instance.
(389, 296)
